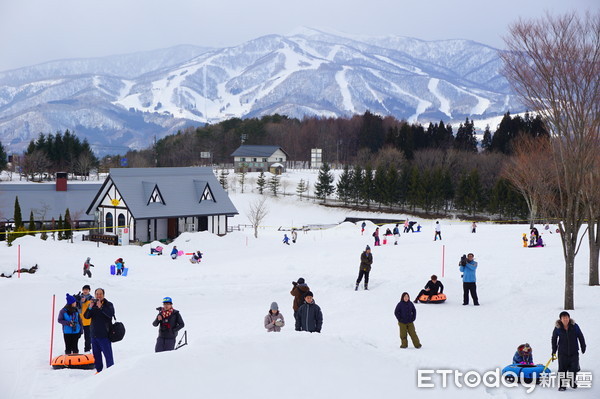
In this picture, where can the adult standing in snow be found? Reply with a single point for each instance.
(274, 319)
(174, 253)
(362, 228)
(169, 322)
(298, 291)
(566, 339)
(432, 288)
(310, 317)
(396, 234)
(83, 303)
(86, 268)
(294, 235)
(366, 260)
(438, 231)
(474, 227)
(406, 314)
(376, 236)
(101, 311)
(71, 324)
(468, 267)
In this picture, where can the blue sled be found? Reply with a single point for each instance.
(125, 271)
(525, 372)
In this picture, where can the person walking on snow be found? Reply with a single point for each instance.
(310, 317)
(474, 227)
(396, 234)
(83, 303)
(406, 225)
(406, 314)
(438, 231)
(362, 228)
(298, 291)
(274, 319)
(376, 236)
(86, 268)
(169, 322)
(71, 324)
(286, 239)
(432, 288)
(294, 235)
(101, 312)
(468, 267)
(566, 340)
(366, 260)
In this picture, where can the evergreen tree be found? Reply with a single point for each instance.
(44, 235)
(60, 226)
(31, 226)
(274, 185)
(469, 192)
(486, 142)
(465, 137)
(3, 158)
(372, 133)
(242, 176)
(356, 184)
(413, 189)
(380, 185)
(261, 182)
(17, 217)
(366, 192)
(392, 189)
(324, 185)
(344, 186)
(223, 179)
(301, 188)
(67, 225)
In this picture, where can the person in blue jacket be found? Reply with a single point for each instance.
(71, 324)
(523, 355)
(566, 338)
(101, 311)
(468, 267)
(406, 314)
(174, 253)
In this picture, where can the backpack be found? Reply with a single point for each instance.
(116, 331)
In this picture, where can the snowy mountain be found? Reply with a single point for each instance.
(126, 100)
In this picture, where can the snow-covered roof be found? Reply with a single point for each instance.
(256, 151)
(277, 165)
(181, 189)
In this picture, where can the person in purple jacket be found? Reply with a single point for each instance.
(406, 313)
(71, 324)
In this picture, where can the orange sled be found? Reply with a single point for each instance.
(84, 361)
(439, 298)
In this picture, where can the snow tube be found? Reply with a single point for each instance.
(76, 361)
(524, 372)
(438, 298)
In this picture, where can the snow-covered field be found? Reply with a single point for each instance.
(223, 301)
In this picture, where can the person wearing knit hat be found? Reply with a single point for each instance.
(366, 260)
(309, 316)
(566, 341)
(169, 322)
(523, 355)
(298, 291)
(274, 319)
(70, 320)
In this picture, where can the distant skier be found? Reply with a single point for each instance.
(310, 317)
(274, 319)
(362, 228)
(523, 355)
(286, 239)
(86, 268)
(396, 234)
(376, 237)
(438, 231)
(432, 288)
(406, 314)
(169, 322)
(366, 260)
(174, 253)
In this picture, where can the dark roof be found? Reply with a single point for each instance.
(37, 196)
(257, 151)
(179, 188)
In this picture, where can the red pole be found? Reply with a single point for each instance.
(19, 261)
(52, 333)
(443, 257)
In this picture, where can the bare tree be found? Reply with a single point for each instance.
(592, 200)
(554, 65)
(83, 164)
(36, 163)
(256, 213)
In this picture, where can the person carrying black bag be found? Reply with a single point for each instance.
(169, 322)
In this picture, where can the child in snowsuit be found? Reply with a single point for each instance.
(396, 234)
(523, 355)
(83, 303)
(86, 268)
(524, 240)
(71, 322)
(362, 228)
(197, 257)
(286, 239)
(120, 264)
(376, 236)
(174, 253)
(274, 319)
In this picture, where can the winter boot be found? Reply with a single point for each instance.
(366, 287)
(356, 288)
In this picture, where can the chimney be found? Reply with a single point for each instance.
(61, 181)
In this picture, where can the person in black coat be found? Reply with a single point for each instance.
(566, 338)
(406, 314)
(169, 322)
(366, 260)
(309, 316)
(432, 288)
(101, 312)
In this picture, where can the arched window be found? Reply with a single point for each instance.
(121, 220)
(109, 222)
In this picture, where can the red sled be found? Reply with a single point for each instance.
(113, 270)
(384, 240)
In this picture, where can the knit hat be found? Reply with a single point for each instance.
(300, 280)
(70, 299)
(367, 248)
(308, 293)
(274, 306)
(563, 313)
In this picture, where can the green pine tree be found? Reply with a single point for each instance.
(366, 190)
(31, 226)
(60, 226)
(261, 182)
(223, 179)
(3, 158)
(380, 185)
(486, 142)
(274, 185)
(242, 176)
(392, 189)
(301, 188)
(344, 186)
(68, 233)
(324, 185)
(356, 184)
(17, 217)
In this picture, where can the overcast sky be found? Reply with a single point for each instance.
(35, 31)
